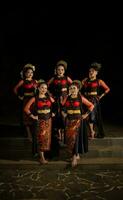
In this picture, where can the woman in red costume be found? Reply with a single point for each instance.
(75, 131)
(91, 88)
(25, 89)
(43, 114)
(58, 86)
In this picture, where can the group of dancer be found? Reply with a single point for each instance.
(61, 109)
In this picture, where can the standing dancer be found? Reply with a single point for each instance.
(25, 89)
(75, 131)
(58, 86)
(91, 88)
(43, 115)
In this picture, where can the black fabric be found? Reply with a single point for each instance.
(95, 116)
(34, 137)
(81, 144)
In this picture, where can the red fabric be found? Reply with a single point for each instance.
(63, 82)
(73, 104)
(91, 84)
(67, 104)
(28, 86)
(45, 103)
(76, 103)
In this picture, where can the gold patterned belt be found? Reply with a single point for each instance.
(74, 112)
(91, 93)
(44, 111)
(29, 94)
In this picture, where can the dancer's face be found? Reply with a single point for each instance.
(42, 89)
(73, 90)
(60, 70)
(29, 73)
(92, 73)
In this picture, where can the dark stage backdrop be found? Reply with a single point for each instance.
(42, 39)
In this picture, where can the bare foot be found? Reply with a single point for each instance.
(74, 162)
(30, 139)
(92, 135)
(42, 161)
(78, 157)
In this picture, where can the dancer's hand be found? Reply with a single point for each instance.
(102, 95)
(53, 114)
(84, 116)
(64, 114)
(34, 117)
(21, 98)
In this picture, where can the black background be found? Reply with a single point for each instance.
(43, 34)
